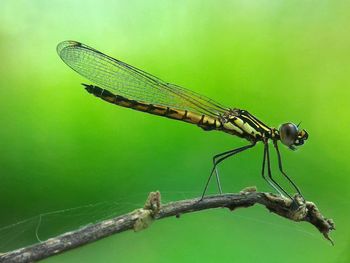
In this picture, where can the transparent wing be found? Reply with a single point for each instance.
(132, 83)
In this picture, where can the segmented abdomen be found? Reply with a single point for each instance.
(203, 121)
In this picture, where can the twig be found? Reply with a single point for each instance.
(299, 210)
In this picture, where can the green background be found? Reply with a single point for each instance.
(61, 148)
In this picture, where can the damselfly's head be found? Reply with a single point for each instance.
(291, 136)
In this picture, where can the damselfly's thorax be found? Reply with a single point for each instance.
(243, 124)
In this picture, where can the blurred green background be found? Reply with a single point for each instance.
(62, 148)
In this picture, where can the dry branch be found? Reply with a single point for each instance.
(299, 210)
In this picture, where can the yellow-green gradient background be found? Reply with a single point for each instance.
(60, 147)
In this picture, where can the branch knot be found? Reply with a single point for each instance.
(145, 216)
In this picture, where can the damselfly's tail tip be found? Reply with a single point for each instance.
(88, 87)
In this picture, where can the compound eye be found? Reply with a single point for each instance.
(288, 133)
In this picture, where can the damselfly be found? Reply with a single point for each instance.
(127, 86)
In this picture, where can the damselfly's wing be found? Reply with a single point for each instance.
(132, 83)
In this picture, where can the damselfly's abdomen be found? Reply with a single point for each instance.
(202, 120)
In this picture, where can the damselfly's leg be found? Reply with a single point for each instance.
(216, 169)
(221, 157)
(217, 178)
(263, 174)
(267, 155)
(281, 169)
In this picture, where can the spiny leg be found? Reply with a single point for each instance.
(269, 170)
(221, 157)
(281, 169)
